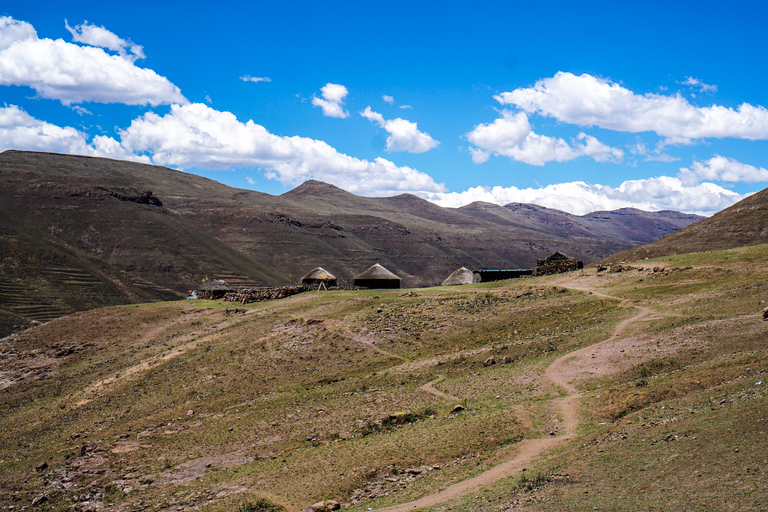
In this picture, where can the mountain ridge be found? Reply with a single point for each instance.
(176, 229)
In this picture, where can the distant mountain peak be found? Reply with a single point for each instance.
(315, 188)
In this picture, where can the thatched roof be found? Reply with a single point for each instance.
(216, 285)
(461, 276)
(376, 272)
(319, 274)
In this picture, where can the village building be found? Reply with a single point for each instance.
(461, 276)
(557, 263)
(213, 290)
(377, 277)
(489, 275)
(319, 278)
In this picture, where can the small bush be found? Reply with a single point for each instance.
(531, 482)
(260, 505)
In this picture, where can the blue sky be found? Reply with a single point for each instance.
(578, 106)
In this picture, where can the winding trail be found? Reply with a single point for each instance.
(429, 387)
(561, 372)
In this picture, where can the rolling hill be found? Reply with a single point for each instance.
(174, 230)
(745, 223)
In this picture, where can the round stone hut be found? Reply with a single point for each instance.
(318, 278)
(462, 276)
(377, 277)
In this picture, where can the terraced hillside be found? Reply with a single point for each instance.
(641, 387)
(42, 278)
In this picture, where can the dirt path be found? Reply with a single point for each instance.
(429, 387)
(561, 372)
(192, 340)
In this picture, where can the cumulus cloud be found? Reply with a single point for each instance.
(590, 101)
(719, 168)
(72, 74)
(512, 136)
(255, 79)
(93, 35)
(332, 101)
(19, 130)
(196, 135)
(403, 135)
(579, 198)
(12, 30)
(388, 99)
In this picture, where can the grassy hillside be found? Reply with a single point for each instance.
(352, 396)
(744, 223)
(42, 278)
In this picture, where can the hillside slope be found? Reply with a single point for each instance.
(454, 397)
(175, 229)
(43, 278)
(744, 223)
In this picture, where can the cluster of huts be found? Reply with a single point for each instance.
(378, 277)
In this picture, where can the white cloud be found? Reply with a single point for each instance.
(388, 99)
(101, 37)
(19, 130)
(695, 82)
(589, 101)
(332, 102)
(74, 74)
(657, 155)
(403, 135)
(81, 111)
(404, 107)
(255, 79)
(373, 116)
(719, 168)
(196, 135)
(12, 30)
(512, 136)
(579, 198)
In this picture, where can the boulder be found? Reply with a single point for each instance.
(323, 506)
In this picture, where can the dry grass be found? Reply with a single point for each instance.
(291, 402)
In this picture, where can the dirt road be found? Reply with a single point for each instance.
(599, 358)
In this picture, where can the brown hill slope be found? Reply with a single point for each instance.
(745, 223)
(43, 278)
(175, 229)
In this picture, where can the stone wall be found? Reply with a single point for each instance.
(246, 295)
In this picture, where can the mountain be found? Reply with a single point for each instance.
(742, 224)
(174, 230)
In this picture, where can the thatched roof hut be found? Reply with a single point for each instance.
(319, 277)
(377, 277)
(215, 289)
(462, 276)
